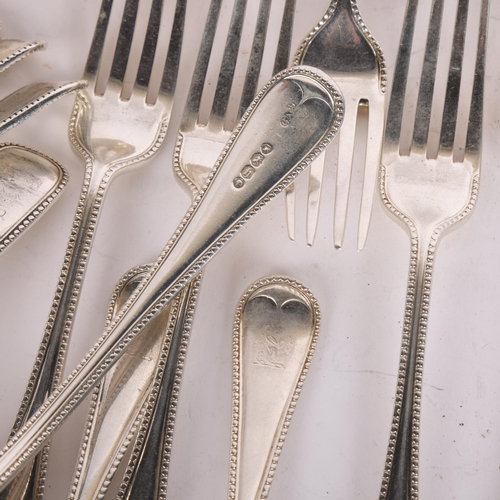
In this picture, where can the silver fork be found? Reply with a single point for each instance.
(112, 133)
(429, 193)
(342, 46)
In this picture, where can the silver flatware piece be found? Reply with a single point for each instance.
(29, 183)
(12, 51)
(276, 328)
(429, 192)
(130, 392)
(290, 122)
(342, 46)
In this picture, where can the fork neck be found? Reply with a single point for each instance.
(344, 4)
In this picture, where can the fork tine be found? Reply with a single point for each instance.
(374, 139)
(396, 102)
(475, 128)
(192, 107)
(450, 111)
(280, 63)
(149, 47)
(124, 42)
(344, 167)
(426, 90)
(285, 40)
(226, 74)
(313, 198)
(256, 53)
(171, 69)
(95, 52)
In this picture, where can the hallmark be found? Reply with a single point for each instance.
(256, 160)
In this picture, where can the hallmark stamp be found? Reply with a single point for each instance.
(256, 160)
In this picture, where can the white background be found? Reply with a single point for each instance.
(337, 441)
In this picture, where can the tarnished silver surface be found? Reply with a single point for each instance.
(429, 193)
(113, 133)
(290, 122)
(275, 331)
(12, 51)
(342, 46)
(29, 182)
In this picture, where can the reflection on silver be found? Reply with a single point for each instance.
(29, 182)
(146, 475)
(343, 47)
(221, 209)
(117, 402)
(429, 194)
(132, 391)
(275, 332)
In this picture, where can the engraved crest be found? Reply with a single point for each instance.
(273, 350)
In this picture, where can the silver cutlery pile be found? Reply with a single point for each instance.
(186, 382)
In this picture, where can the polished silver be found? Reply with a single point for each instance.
(29, 180)
(112, 133)
(289, 123)
(29, 183)
(12, 51)
(147, 471)
(131, 392)
(27, 100)
(342, 46)
(275, 331)
(146, 475)
(429, 193)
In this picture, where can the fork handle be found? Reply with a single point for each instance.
(400, 479)
(47, 370)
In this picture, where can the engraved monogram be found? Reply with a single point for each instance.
(273, 351)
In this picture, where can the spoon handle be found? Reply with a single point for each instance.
(290, 122)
